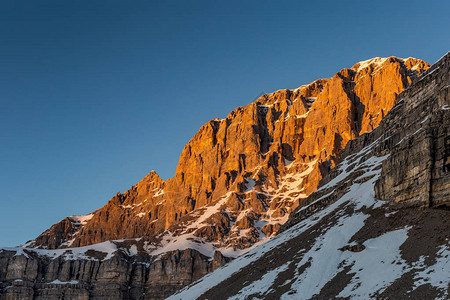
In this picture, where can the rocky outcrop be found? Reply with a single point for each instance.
(31, 275)
(418, 171)
(378, 227)
(288, 138)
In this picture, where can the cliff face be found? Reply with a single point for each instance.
(238, 181)
(256, 154)
(378, 227)
(107, 271)
(421, 147)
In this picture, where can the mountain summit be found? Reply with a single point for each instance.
(261, 161)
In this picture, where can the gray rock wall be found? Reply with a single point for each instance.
(31, 276)
(417, 171)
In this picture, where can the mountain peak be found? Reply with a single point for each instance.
(377, 62)
(374, 62)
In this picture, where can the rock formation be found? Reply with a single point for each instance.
(378, 227)
(236, 183)
(93, 274)
(283, 139)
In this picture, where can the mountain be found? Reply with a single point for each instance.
(252, 157)
(236, 184)
(377, 227)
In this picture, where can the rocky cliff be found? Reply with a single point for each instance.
(289, 138)
(107, 271)
(378, 227)
(237, 181)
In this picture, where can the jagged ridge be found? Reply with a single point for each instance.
(257, 154)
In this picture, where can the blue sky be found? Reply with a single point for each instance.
(95, 94)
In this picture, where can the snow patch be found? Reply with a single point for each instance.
(109, 248)
(249, 185)
(56, 281)
(375, 62)
(81, 220)
(262, 285)
(377, 266)
(436, 275)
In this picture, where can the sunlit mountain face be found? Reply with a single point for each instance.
(328, 190)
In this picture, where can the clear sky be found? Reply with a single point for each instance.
(95, 94)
